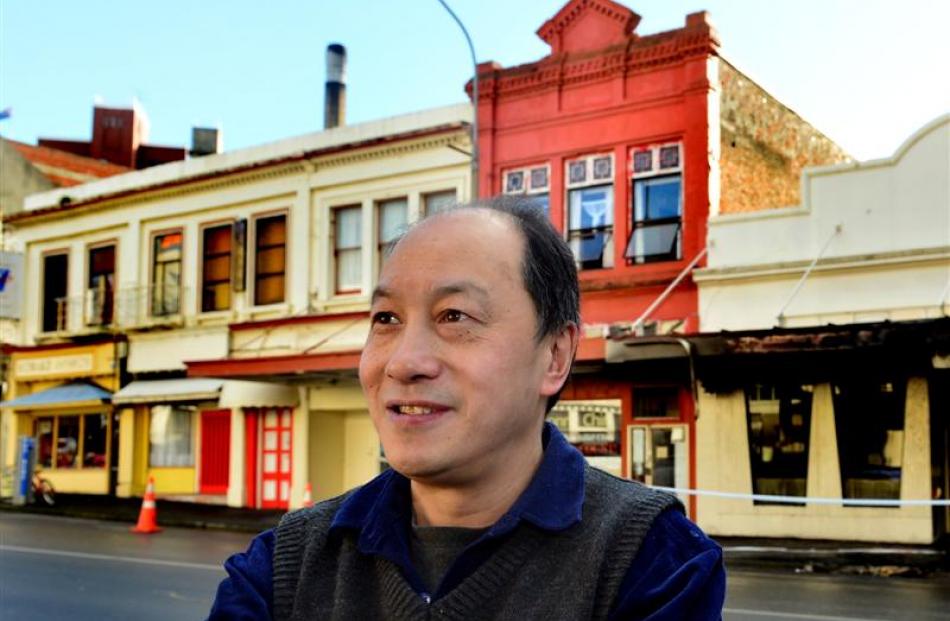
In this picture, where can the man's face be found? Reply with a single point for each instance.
(453, 373)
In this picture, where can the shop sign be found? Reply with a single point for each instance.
(73, 364)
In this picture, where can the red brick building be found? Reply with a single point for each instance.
(630, 142)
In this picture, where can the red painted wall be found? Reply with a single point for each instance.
(641, 91)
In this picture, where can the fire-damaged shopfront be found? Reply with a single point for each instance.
(858, 412)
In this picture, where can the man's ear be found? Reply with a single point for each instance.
(562, 348)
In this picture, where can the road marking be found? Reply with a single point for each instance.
(109, 557)
(792, 615)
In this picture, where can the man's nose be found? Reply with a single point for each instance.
(415, 356)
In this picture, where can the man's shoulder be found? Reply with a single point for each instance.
(604, 489)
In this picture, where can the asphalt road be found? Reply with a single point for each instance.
(62, 568)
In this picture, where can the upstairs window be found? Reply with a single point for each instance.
(533, 181)
(590, 203)
(348, 249)
(216, 268)
(165, 295)
(434, 202)
(270, 253)
(55, 269)
(392, 216)
(656, 232)
(100, 291)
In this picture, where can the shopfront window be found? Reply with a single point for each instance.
(779, 423)
(869, 422)
(44, 442)
(169, 436)
(95, 427)
(67, 441)
(593, 427)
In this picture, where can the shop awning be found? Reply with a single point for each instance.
(76, 394)
(163, 391)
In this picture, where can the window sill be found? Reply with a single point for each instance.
(343, 302)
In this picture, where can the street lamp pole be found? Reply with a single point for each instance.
(471, 49)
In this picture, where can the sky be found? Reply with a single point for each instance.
(868, 73)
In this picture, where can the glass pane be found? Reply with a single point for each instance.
(348, 227)
(349, 269)
(269, 290)
(591, 207)
(101, 261)
(657, 198)
(542, 201)
(654, 240)
(285, 440)
(168, 247)
(392, 219)
(664, 457)
(271, 231)
(44, 442)
(779, 419)
(270, 462)
(94, 440)
(514, 182)
(217, 240)
(270, 440)
(218, 268)
(271, 419)
(216, 297)
(285, 463)
(166, 289)
(593, 427)
(170, 436)
(67, 441)
(285, 419)
(439, 201)
(270, 490)
(270, 260)
(539, 178)
(284, 490)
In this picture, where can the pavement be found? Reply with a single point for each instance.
(786, 555)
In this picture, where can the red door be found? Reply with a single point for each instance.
(215, 451)
(276, 455)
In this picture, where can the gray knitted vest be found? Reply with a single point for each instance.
(533, 574)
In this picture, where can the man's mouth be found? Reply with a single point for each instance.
(415, 409)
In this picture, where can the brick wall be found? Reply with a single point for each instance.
(764, 146)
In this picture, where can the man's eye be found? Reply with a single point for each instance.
(385, 318)
(453, 315)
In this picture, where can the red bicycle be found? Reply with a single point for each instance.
(43, 490)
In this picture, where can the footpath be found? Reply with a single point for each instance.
(784, 555)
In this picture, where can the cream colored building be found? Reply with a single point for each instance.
(255, 264)
(824, 354)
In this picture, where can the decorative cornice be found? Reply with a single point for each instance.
(564, 18)
(636, 54)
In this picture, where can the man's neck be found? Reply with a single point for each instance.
(482, 500)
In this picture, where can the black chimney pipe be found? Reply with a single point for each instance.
(334, 101)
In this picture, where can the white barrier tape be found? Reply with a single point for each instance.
(798, 500)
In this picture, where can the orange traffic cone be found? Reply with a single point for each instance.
(148, 515)
(307, 495)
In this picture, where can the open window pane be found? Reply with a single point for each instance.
(654, 242)
(657, 220)
(779, 423)
(869, 423)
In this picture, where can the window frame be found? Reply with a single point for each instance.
(87, 286)
(64, 325)
(656, 171)
(334, 214)
(80, 441)
(203, 232)
(528, 187)
(381, 246)
(424, 199)
(256, 219)
(591, 182)
(151, 286)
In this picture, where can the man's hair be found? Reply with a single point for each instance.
(547, 265)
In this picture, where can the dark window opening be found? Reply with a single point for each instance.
(779, 424)
(55, 267)
(101, 286)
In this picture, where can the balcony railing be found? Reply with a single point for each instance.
(129, 307)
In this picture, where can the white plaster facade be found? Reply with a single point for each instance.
(879, 236)
(304, 178)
